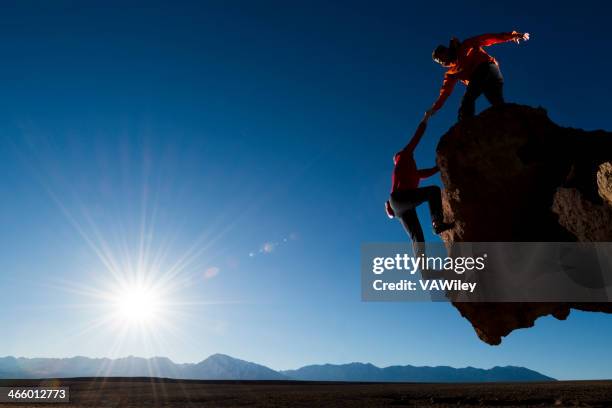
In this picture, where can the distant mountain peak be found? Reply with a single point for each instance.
(409, 373)
(221, 357)
(223, 367)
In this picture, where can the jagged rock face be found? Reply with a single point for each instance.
(511, 174)
(588, 221)
(604, 182)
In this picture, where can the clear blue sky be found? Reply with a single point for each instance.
(225, 126)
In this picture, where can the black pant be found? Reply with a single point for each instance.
(486, 79)
(404, 205)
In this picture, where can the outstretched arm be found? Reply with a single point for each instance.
(491, 39)
(424, 173)
(416, 138)
(447, 89)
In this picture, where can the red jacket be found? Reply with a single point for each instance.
(405, 173)
(469, 56)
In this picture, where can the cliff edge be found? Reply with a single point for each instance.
(511, 174)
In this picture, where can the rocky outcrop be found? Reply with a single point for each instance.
(586, 220)
(604, 181)
(511, 174)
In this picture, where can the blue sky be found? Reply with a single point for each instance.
(253, 141)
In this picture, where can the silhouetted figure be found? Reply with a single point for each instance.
(406, 194)
(469, 63)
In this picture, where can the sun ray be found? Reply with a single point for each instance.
(138, 291)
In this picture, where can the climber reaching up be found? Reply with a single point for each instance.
(468, 62)
(406, 194)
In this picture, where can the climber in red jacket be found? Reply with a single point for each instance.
(469, 63)
(406, 194)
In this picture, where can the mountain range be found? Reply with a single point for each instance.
(223, 367)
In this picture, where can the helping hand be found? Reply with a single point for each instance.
(520, 36)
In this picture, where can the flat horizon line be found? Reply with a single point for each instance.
(3, 381)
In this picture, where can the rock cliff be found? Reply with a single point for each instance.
(511, 174)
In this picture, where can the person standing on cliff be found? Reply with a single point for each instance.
(468, 62)
(406, 194)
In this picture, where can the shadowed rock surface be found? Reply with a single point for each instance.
(511, 174)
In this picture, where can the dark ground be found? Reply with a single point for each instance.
(146, 392)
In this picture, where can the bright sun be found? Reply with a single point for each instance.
(137, 304)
